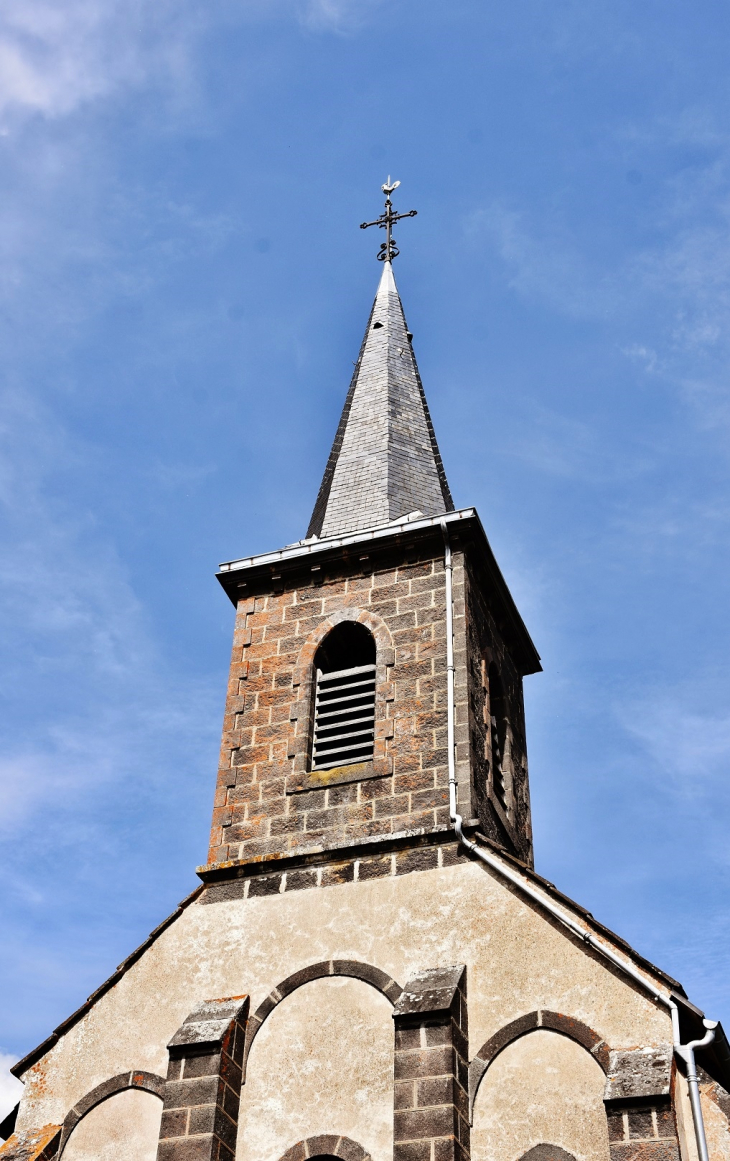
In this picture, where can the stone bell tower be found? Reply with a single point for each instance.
(335, 722)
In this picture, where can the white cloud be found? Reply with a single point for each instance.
(22, 781)
(689, 264)
(56, 55)
(343, 16)
(562, 446)
(670, 299)
(644, 356)
(690, 268)
(689, 751)
(11, 1089)
(543, 262)
(75, 631)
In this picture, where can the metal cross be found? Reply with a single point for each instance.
(388, 250)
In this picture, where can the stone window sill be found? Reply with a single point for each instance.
(337, 776)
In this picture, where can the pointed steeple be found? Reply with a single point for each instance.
(385, 462)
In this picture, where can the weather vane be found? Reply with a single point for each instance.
(388, 250)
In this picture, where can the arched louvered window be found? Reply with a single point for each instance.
(344, 702)
(498, 726)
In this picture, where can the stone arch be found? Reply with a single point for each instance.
(303, 680)
(543, 1018)
(376, 625)
(543, 1152)
(142, 1081)
(325, 1148)
(377, 979)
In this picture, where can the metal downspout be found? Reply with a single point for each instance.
(685, 1052)
(450, 732)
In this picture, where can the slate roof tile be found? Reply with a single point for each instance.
(385, 461)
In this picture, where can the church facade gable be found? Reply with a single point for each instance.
(371, 970)
(517, 973)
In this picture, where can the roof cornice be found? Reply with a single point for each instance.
(295, 562)
(314, 546)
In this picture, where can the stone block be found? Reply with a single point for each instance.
(202, 1093)
(642, 1072)
(432, 991)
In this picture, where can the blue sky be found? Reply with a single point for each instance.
(183, 289)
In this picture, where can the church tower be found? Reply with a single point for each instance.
(370, 969)
(336, 726)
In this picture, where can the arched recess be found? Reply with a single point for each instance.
(377, 979)
(543, 1018)
(148, 1082)
(541, 1100)
(324, 1148)
(320, 1066)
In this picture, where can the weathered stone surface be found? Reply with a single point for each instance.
(431, 1054)
(641, 1072)
(32, 1145)
(203, 1087)
(431, 991)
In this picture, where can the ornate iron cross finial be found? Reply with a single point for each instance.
(388, 250)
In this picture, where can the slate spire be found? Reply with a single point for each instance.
(385, 462)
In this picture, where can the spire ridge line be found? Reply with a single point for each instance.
(384, 462)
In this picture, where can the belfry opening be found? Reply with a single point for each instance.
(344, 700)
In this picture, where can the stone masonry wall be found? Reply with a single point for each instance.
(268, 801)
(485, 644)
(643, 1132)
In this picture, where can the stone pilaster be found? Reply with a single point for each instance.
(641, 1124)
(203, 1087)
(431, 1053)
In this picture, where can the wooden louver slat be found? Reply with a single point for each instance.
(344, 717)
